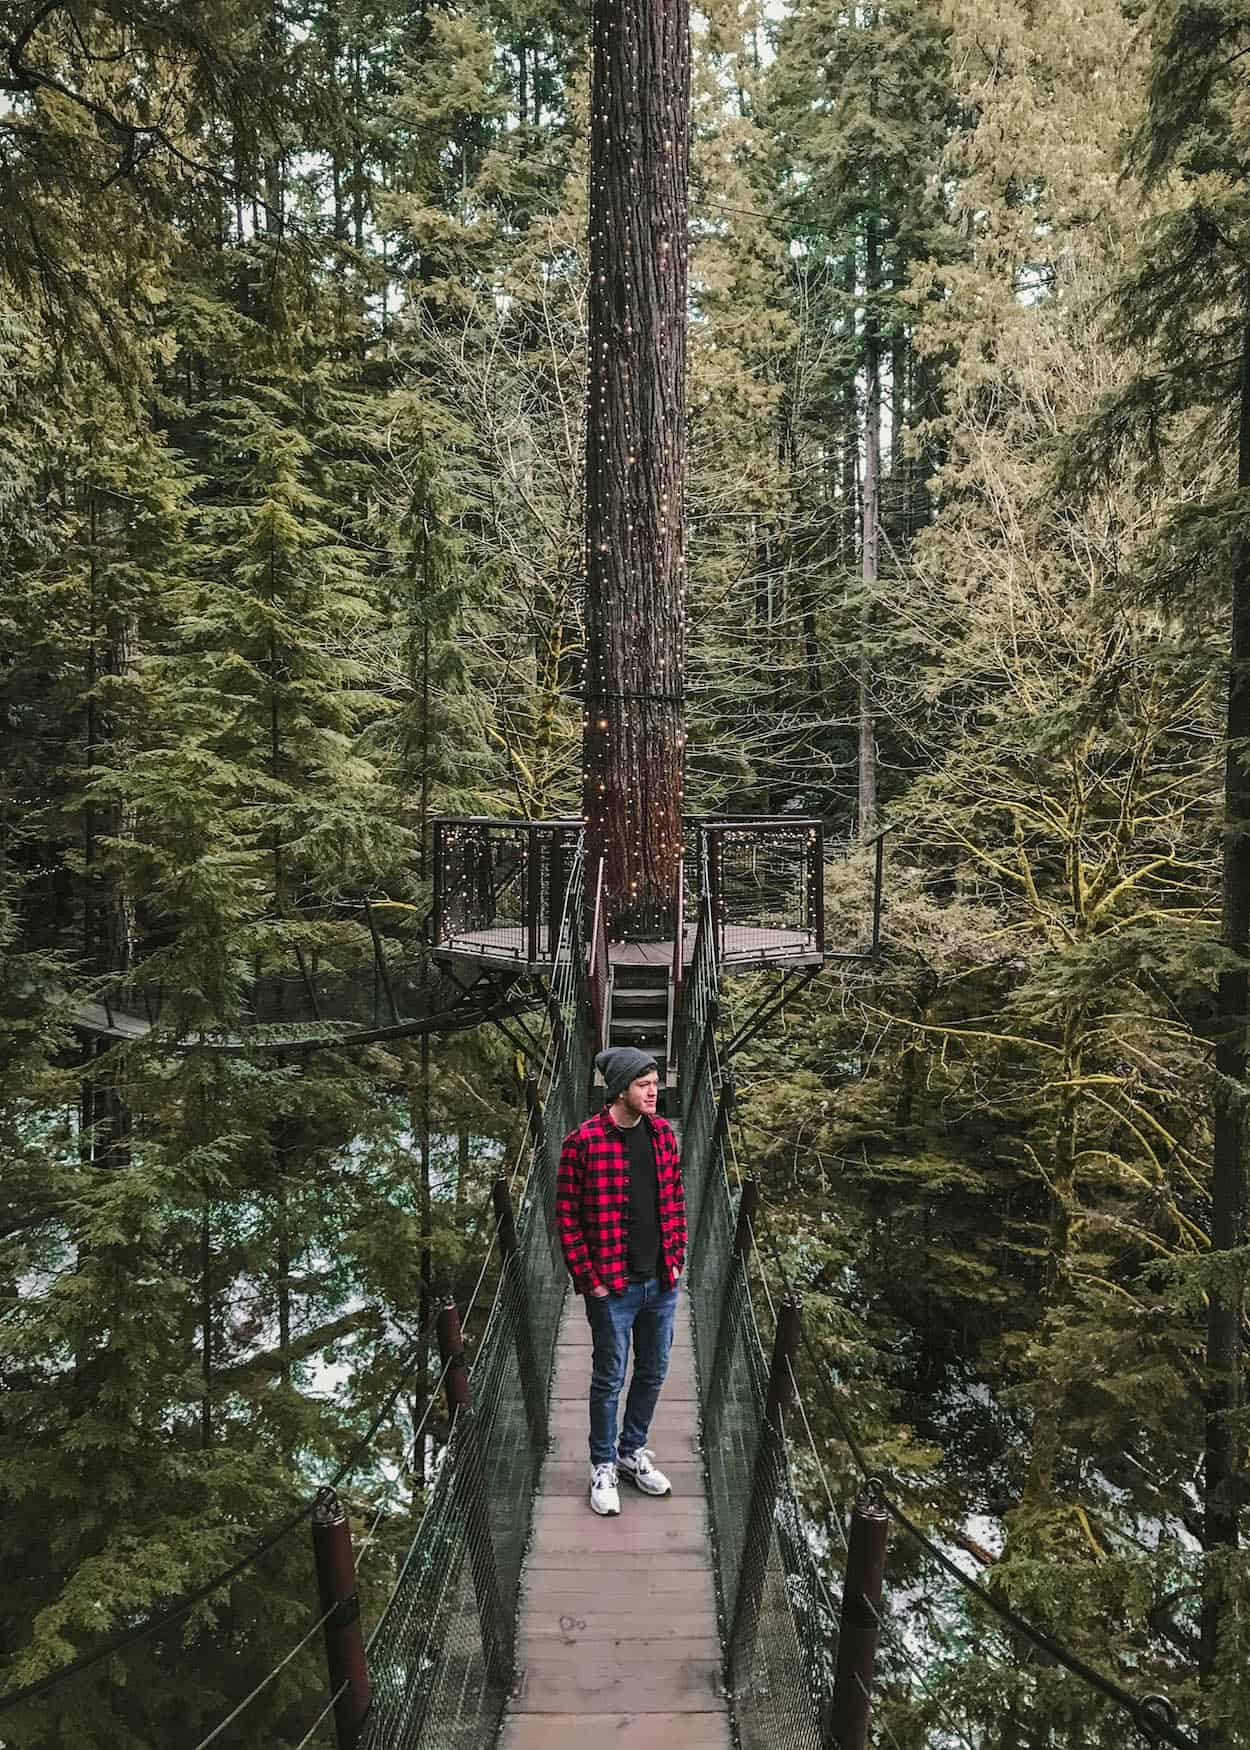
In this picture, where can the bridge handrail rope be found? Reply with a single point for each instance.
(441, 1653)
(188, 1600)
(1152, 1714)
(1148, 1713)
(776, 1610)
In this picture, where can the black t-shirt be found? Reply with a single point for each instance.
(643, 1244)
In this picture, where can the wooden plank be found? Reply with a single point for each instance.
(590, 1535)
(576, 1617)
(599, 1620)
(676, 1421)
(568, 1679)
(570, 1658)
(618, 1631)
(581, 1589)
(635, 1507)
(569, 1478)
(632, 1731)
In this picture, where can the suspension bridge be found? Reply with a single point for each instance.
(726, 1614)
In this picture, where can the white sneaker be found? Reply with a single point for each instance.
(637, 1466)
(603, 1492)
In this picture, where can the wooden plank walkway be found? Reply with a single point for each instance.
(617, 1638)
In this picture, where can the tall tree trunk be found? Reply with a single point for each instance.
(636, 454)
(358, 155)
(284, 1282)
(899, 518)
(1226, 1298)
(206, 1323)
(849, 522)
(871, 529)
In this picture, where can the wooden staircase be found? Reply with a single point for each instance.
(640, 1013)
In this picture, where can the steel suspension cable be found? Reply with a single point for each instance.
(1141, 1710)
(188, 1600)
(406, 1468)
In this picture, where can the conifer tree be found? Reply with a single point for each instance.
(1188, 303)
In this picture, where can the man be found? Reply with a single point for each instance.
(621, 1214)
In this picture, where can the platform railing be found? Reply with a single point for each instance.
(499, 886)
(765, 880)
(496, 885)
(325, 966)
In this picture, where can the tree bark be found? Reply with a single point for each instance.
(636, 456)
(206, 1323)
(1225, 1301)
(870, 543)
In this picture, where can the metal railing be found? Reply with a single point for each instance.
(327, 967)
(441, 1656)
(499, 886)
(777, 1625)
(764, 878)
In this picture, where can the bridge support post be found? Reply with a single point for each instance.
(532, 1389)
(748, 1203)
(711, 1156)
(861, 1614)
(534, 1113)
(340, 1605)
(472, 1503)
(769, 1460)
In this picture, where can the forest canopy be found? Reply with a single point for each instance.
(293, 366)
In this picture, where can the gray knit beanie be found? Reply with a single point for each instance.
(622, 1064)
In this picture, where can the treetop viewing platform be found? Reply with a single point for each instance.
(499, 889)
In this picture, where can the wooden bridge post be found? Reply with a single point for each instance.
(340, 1605)
(769, 1456)
(707, 1190)
(861, 1615)
(532, 1386)
(748, 1203)
(472, 1503)
(534, 1113)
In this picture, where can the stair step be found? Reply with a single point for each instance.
(652, 1042)
(640, 1002)
(640, 977)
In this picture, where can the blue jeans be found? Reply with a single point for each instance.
(646, 1310)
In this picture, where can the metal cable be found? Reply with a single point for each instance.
(265, 1681)
(311, 1733)
(1039, 1638)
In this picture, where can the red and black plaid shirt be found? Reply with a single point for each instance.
(592, 1204)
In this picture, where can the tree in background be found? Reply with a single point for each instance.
(1186, 308)
(636, 459)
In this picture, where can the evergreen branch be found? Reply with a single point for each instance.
(275, 1360)
(971, 1033)
(141, 140)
